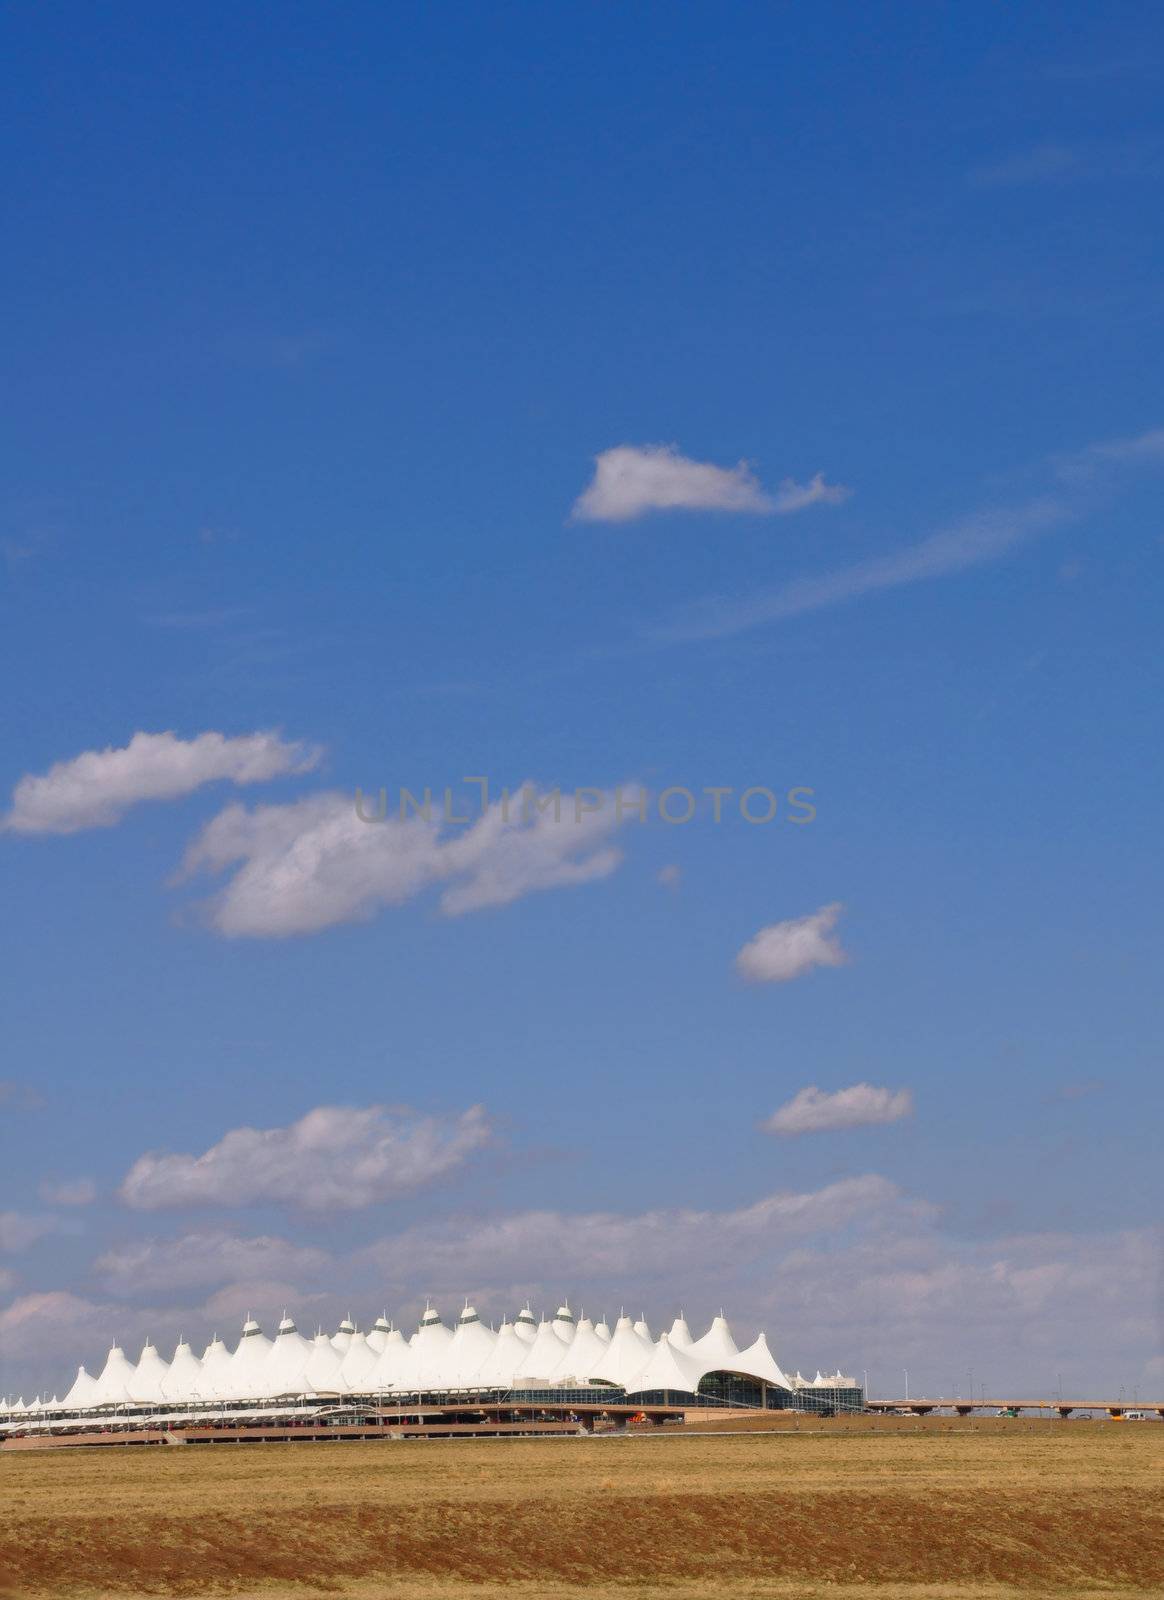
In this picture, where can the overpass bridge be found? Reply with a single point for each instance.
(1116, 1409)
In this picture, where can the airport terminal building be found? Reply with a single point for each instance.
(556, 1363)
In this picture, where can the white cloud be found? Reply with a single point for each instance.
(336, 1158)
(786, 950)
(314, 864)
(20, 1229)
(792, 496)
(206, 1258)
(670, 876)
(812, 1110)
(71, 1192)
(630, 480)
(97, 788)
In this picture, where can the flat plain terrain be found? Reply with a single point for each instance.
(943, 1510)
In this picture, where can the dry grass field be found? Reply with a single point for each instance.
(935, 1511)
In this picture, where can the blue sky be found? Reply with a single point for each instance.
(318, 322)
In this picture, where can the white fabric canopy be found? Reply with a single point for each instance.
(471, 1346)
(148, 1377)
(113, 1386)
(542, 1357)
(247, 1372)
(83, 1390)
(507, 1354)
(626, 1356)
(183, 1382)
(668, 1368)
(216, 1373)
(379, 1333)
(581, 1357)
(286, 1363)
(321, 1371)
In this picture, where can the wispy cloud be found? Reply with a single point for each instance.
(206, 1258)
(630, 480)
(336, 1158)
(984, 536)
(969, 543)
(198, 621)
(16, 1096)
(69, 1192)
(20, 1229)
(97, 788)
(1049, 162)
(790, 949)
(812, 1110)
(1069, 1092)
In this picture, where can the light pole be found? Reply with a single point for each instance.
(906, 1371)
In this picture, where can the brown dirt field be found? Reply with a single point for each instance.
(943, 1511)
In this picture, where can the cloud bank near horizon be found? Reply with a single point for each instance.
(856, 1273)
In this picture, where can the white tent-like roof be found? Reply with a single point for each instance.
(643, 1331)
(582, 1356)
(716, 1350)
(379, 1332)
(358, 1363)
(541, 1357)
(113, 1386)
(759, 1362)
(400, 1361)
(525, 1325)
(148, 1376)
(248, 1364)
(602, 1329)
(395, 1355)
(507, 1354)
(430, 1346)
(286, 1363)
(471, 1346)
(626, 1356)
(321, 1371)
(184, 1381)
(216, 1373)
(563, 1324)
(342, 1336)
(83, 1390)
(668, 1368)
(680, 1334)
